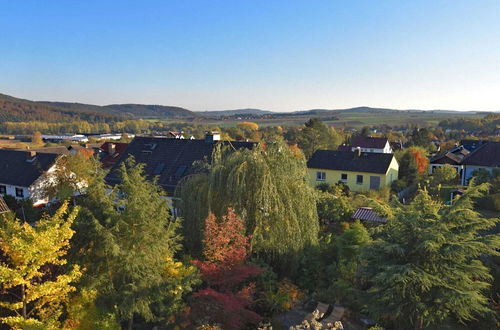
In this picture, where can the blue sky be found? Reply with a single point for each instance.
(277, 55)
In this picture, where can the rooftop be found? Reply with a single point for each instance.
(351, 161)
(22, 168)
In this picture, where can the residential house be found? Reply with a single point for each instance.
(110, 152)
(453, 157)
(23, 174)
(170, 159)
(359, 170)
(484, 155)
(368, 144)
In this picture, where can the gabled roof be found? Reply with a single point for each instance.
(487, 154)
(168, 159)
(17, 171)
(369, 142)
(3, 206)
(350, 161)
(452, 157)
(367, 214)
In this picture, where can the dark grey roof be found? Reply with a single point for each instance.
(369, 142)
(168, 159)
(17, 171)
(487, 154)
(367, 214)
(453, 156)
(350, 161)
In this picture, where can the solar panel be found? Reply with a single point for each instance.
(159, 168)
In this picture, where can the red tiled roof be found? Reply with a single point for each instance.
(367, 214)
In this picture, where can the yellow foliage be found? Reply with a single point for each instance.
(248, 125)
(31, 252)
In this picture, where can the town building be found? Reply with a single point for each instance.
(170, 159)
(24, 174)
(358, 170)
(368, 144)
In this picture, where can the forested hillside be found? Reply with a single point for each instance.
(14, 109)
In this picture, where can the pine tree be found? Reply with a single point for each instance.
(32, 271)
(266, 186)
(126, 240)
(426, 266)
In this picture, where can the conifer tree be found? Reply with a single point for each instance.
(32, 272)
(126, 241)
(266, 186)
(426, 265)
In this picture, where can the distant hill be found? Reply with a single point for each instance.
(16, 109)
(130, 110)
(234, 112)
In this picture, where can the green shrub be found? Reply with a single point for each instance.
(490, 202)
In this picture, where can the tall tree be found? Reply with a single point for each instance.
(127, 240)
(317, 135)
(266, 186)
(32, 271)
(426, 265)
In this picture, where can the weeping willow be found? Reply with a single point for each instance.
(266, 186)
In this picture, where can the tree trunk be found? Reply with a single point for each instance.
(419, 323)
(130, 322)
(23, 293)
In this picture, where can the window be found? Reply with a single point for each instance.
(320, 176)
(19, 192)
(359, 179)
(3, 190)
(343, 177)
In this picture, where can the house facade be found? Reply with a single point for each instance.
(485, 155)
(368, 144)
(360, 171)
(24, 174)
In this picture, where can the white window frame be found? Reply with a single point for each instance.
(320, 176)
(346, 177)
(357, 179)
(20, 195)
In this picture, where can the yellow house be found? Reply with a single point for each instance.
(359, 170)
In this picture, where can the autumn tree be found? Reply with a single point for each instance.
(266, 185)
(425, 266)
(248, 126)
(126, 240)
(32, 270)
(73, 174)
(227, 296)
(37, 140)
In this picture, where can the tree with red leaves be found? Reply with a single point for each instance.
(227, 297)
(420, 159)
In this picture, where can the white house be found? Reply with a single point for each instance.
(368, 144)
(24, 174)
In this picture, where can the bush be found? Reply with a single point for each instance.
(490, 202)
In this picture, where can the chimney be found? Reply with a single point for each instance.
(30, 156)
(111, 148)
(358, 151)
(211, 137)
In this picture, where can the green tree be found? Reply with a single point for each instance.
(446, 174)
(73, 174)
(425, 266)
(32, 271)
(266, 186)
(316, 135)
(126, 240)
(334, 206)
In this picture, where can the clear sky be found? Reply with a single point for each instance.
(276, 55)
